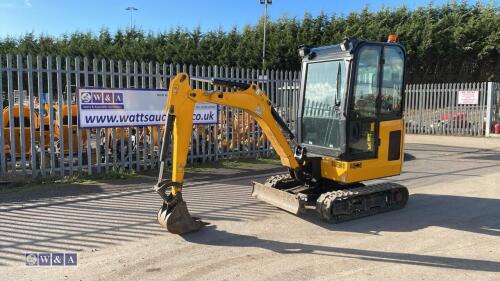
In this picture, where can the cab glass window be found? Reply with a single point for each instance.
(366, 82)
(324, 91)
(392, 85)
(361, 129)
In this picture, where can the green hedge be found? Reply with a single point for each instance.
(453, 42)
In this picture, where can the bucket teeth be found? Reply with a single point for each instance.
(162, 215)
(175, 217)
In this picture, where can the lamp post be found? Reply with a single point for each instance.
(131, 10)
(265, 3)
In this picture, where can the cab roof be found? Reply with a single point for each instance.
(335, 51)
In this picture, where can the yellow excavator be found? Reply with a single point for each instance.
(349, 129)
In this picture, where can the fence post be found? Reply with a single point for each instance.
(10, 97)
(79, 132)
(489, 108)
(59, 116)
(69, 113)
(32, 116)
(3, 164)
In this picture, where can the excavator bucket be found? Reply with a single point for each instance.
(279, 198)
(176, 219)
(173, 214)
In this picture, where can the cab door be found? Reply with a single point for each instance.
(363, 111)
(376, 96)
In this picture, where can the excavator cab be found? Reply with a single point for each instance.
(350, 111)
(350, 130)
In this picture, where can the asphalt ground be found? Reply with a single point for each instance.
(450, 229)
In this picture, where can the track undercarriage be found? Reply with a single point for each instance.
(333, 202)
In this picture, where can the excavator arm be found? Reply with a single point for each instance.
(178, 127)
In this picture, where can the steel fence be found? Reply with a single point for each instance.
(435, 109)
(41, 137)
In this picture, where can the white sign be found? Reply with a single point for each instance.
(468, 97)
(131, 107)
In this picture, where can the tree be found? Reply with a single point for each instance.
(452, 42)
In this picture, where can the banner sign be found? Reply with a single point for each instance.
(99, 108)
(468, 97)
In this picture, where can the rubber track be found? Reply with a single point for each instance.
(282, 181)
(327, 200)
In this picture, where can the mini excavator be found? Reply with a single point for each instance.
(349, 130)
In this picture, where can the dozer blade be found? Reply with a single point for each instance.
(279, 198)
(177, 219)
